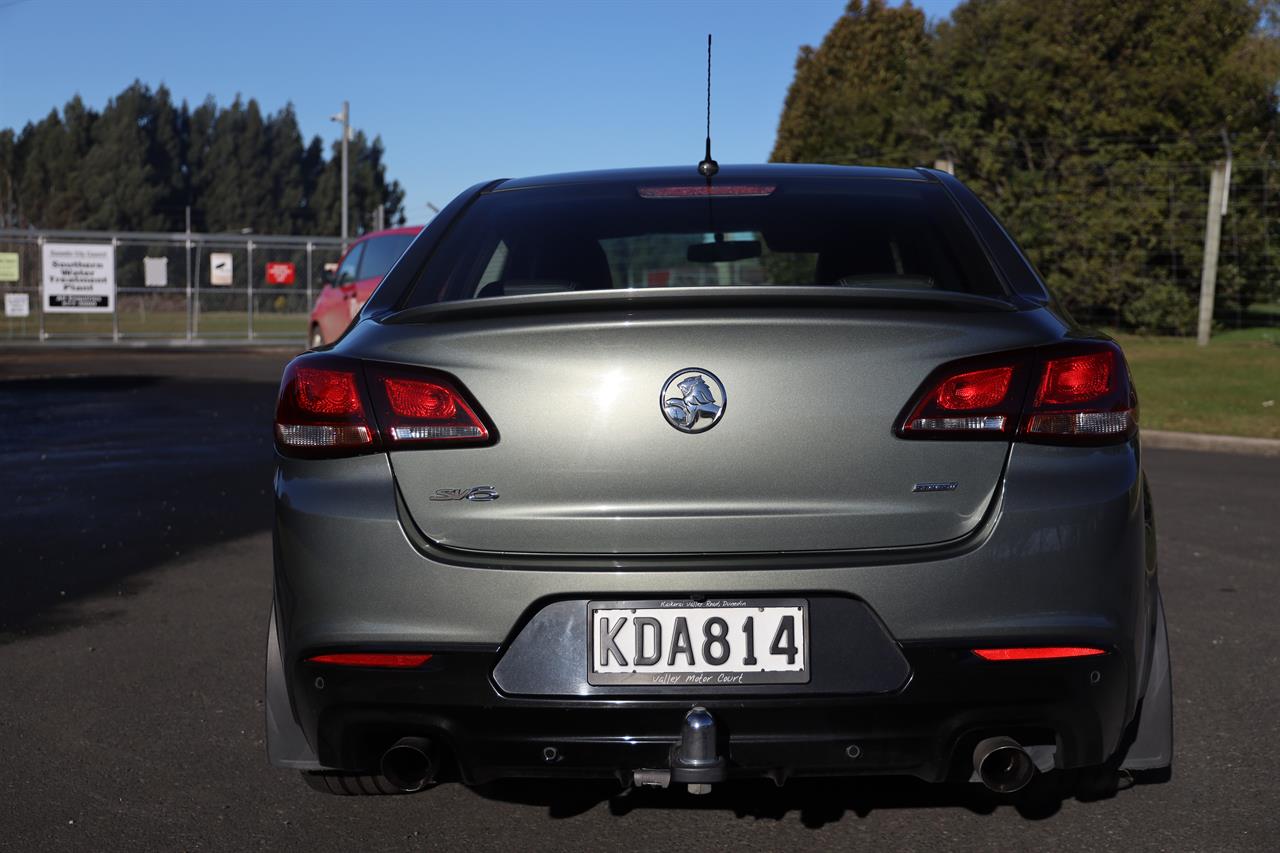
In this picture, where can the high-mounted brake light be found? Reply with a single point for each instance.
(1082, 395)
(1038, 653)
(378, 660)
(333, 406)
(707, 189)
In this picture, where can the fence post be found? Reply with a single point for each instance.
(40, 287)
(307, 306)
(248, 273)
(1212, 240)
(195, 295)
(115, 297)
(187, 259)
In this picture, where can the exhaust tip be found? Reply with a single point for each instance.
(1003, 765)
(410, 764)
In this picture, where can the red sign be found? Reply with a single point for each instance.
(280, 273)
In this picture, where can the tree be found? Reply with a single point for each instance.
(143, 160)
(851, 98)
(1089, 127)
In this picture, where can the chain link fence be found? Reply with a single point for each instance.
(245, 288)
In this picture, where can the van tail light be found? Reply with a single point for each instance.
(331, 406)
(1073, 393)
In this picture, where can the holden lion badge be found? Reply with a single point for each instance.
(692, 400)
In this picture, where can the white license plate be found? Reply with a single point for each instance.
(712, 643)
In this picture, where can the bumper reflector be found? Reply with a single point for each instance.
(1038, 653)
(379, 660)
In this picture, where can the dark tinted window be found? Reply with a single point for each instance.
(381, 252)
(347, 272)
(841, 233)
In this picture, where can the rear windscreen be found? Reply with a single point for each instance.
(850, 233)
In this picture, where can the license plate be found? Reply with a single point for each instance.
(713, 643)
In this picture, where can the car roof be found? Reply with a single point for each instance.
(403, 229)
(689, 172)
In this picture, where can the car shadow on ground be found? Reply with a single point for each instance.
(818, 802)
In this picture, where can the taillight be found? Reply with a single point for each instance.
(321, 410)
(974, 398)
(422, 409)
(1082, 395)
(332, 406)
(1083, 398)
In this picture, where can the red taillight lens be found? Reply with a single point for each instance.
(1083, 396)
(423, 410)
(379, 660)
(327, 392)
(1038, 653)
(415, 399)
(1076, 379)
(978, 389)
(326, 408)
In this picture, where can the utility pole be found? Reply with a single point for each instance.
(345, 118)
(1218, 183)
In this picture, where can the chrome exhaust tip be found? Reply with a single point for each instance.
(410, 764)
(1003, 765)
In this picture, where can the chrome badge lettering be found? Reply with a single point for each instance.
(935, 487)
(475, 493)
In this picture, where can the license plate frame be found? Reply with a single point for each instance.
(708, 677)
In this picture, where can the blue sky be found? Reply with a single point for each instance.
(459, 92)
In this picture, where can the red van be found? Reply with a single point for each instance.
(362, 268)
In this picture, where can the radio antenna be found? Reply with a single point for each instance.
(708, 167)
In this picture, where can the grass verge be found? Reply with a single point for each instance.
(1231, 387)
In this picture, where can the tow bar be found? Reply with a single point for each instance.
(693, 760)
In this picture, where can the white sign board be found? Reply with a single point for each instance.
(79, 278)
(17, 305)
(220, 268)
(155, 272)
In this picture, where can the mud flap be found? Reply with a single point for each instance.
(286, 744)
(1152, 747)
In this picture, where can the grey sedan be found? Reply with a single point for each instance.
(671, 479)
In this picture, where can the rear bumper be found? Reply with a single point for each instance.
(926, 729)
(1065, 561)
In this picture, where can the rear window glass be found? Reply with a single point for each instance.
(852, 233)
(381, 252)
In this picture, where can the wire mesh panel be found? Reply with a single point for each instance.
(170, 286)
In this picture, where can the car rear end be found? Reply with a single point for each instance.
(642, 476)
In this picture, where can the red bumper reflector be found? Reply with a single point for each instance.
(1038, 653)
(382, 661)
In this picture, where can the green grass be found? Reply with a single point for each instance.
(1231, 387)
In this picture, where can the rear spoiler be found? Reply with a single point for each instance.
(688, 297)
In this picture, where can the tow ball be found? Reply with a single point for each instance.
(694, 760)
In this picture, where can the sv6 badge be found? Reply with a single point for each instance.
(475, 493)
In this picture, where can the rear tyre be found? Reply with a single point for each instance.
(349, 784)
(315, 339)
